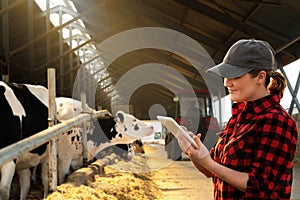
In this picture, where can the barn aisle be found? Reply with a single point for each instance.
(177, 179)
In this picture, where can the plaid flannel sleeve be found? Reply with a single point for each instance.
(271, 172)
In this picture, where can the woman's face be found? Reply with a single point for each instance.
(245, 88)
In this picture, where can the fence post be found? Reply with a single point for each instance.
(52, 121)
(84, 133)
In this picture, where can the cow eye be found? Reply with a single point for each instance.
(136, 127)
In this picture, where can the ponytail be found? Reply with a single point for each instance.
(276, 83)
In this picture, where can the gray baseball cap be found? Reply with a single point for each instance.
(244, 56)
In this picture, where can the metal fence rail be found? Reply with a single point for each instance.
(12, 151)
(49, 135)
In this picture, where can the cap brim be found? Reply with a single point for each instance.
(229, 71)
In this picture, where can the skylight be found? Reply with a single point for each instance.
(78, 36)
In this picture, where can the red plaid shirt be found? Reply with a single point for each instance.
(260, 139)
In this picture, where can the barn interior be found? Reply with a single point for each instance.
(137, 53)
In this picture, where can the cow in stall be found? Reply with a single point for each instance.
(107, 131)
(24, 110)
(68, 108)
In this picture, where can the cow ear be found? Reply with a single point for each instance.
(121, 117)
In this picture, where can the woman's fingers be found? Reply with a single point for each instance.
(183, 143)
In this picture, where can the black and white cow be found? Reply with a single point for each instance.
(68, 108)
(107, 131)
(24, 112)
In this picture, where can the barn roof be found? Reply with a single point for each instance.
(148, 66)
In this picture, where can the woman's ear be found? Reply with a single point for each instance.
(261, 77)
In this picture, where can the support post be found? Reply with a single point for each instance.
(294, 96)
(84, 133)
(52, 121)
(293, 92)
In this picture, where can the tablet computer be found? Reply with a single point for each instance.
(175, 128)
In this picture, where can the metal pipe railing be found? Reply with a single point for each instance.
(12, 151)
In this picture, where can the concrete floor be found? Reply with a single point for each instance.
(181, 180)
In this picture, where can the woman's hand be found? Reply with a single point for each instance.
(199, 152)
(199, 155)
(193, 152)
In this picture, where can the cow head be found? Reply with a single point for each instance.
(130, 128)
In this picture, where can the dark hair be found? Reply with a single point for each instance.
(276, 85)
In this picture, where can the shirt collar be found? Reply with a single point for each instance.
(256, 106)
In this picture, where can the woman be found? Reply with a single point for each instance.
(253, 156)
